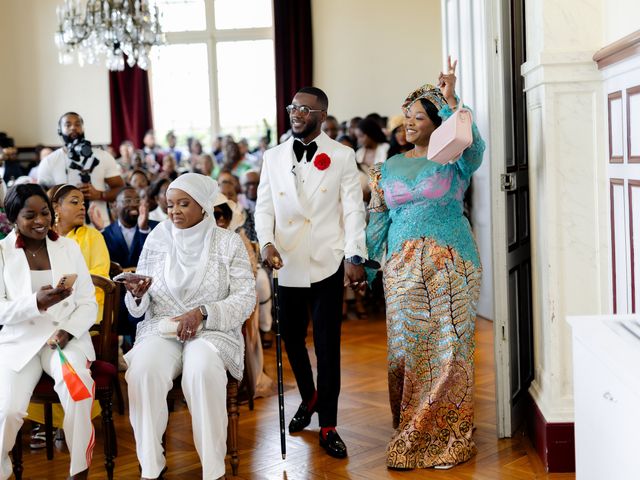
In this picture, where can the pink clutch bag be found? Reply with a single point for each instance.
(451, 138)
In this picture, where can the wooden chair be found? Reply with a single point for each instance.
(105, 374)
(232, 414)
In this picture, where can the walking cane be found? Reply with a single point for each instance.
(283, 441)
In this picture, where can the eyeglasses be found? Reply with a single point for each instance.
(301, 109)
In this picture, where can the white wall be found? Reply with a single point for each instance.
(568, 191)
(369, 54)
(622, 18)
(35, 89)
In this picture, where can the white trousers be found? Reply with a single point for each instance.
(16, 389)
(153, 365)
(263, 287)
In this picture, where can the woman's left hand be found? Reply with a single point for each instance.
(188, 324)
(60, 337)
(447, 82)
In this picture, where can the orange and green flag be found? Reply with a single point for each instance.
(76, 387)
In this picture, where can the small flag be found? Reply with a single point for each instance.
(76, 387)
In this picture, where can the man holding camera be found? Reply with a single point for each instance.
(93, 170)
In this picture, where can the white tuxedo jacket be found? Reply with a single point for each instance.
(25, 329)
(312, 235)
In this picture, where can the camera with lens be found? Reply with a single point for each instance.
(79, 149)
(80, 153)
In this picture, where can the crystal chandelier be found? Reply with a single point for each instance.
(113, 28)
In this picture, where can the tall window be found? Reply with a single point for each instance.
(216, 74)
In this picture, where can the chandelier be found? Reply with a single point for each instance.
(110, 28)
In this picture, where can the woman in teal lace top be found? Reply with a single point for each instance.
(432, 282)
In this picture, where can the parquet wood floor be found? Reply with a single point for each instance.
(365, 425)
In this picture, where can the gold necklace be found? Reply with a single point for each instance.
(33, 253)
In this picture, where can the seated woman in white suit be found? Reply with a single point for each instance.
(201, 292)
(35, 316)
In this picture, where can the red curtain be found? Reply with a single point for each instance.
(130, 106)
(293, 53)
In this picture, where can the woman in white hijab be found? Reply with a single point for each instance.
(201, 291)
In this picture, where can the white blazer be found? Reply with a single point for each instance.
(25, 329)
(312, 235)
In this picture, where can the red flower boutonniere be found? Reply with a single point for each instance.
(322, 161)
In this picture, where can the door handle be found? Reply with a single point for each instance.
(508, 182)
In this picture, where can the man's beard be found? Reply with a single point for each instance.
(130, 219)
(68, 139)
(310, 128)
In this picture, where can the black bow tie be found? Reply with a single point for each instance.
(299, 148)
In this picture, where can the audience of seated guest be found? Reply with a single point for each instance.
(158, 190)
(372, 143)
(5, 224)
(216, 149)
(41, 152)
(151, 152)
(172, 149)
(195, 150)
(250, 182)
(139, 180)
(105, 180)
(233, 159)
(263, 145)
(38, 319)
(346, 140)
(169, 167)
(330, 127)
(202, 292)
(127, 152)
(397, 136)
(351, 129)
(9, 159)
(246, 156)
(205, 165)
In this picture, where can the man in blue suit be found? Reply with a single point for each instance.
(126, 236)
(125, 239)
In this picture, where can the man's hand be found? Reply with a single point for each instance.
(60, 337)
(356, 277)
(96, 217)
(143, 215)
(48, 296)
(89, 192)
(271, 257)
(188, 324)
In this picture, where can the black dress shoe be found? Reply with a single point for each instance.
(333, 444)
(301, 419)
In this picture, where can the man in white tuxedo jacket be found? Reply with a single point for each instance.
(310, 222)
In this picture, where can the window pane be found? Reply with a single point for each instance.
(180, 88)
(182, 15)
(243, 14)
(247, 95)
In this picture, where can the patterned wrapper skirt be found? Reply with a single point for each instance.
(432, 295)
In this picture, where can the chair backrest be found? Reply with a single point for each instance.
(107, 344)
(114, 269)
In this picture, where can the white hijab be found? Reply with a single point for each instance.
(187, 248)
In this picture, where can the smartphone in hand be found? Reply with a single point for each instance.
(67, 280)
(131, 277)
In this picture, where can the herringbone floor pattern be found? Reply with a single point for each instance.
(365, 425)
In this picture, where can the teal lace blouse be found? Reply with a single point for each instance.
(417, 198)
